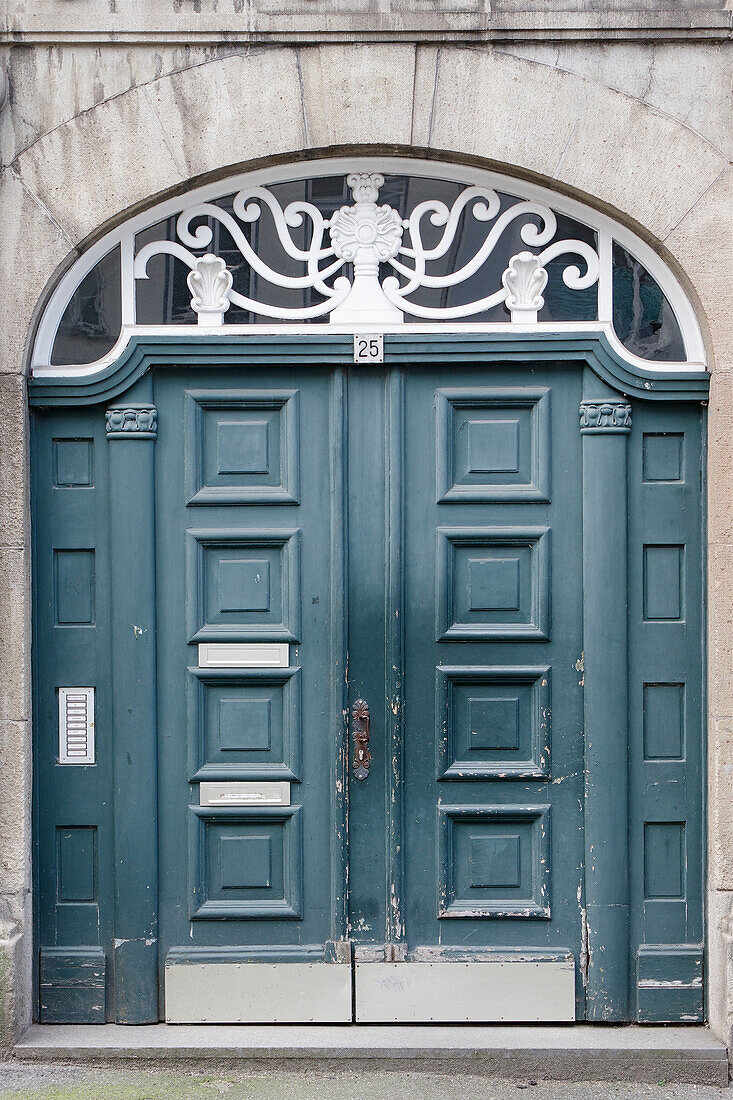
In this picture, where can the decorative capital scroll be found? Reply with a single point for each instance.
(132, 422)
(210, 282)
(524, 280)
(365, 185)
(605, 416)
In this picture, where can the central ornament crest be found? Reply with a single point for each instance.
(365, 232)
(366, 235)
(369, 235)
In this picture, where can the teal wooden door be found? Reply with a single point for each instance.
(514, 595)
(250, 517)
(477, 775)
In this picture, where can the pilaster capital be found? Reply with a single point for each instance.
(597, 417)
(132, 422)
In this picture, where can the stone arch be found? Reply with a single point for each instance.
(476, 106)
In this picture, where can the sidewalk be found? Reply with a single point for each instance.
(59, 1081)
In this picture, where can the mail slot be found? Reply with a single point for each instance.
(244, 794)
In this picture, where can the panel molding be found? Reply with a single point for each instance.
(72, 985)
(286, 769)
(536, 904)
(537, 400)
(289, 906)
(285, 403)
(287, 541)
(669, 984)
(536, 766)
(536, 540)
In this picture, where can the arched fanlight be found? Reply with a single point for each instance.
(383, 245)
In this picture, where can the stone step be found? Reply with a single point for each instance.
(576, 1052)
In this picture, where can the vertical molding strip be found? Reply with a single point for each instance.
(338, 658)
(131, 431)
(395, 656)
(605, 422)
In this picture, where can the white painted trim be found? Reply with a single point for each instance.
(606, 228)
(89, 370)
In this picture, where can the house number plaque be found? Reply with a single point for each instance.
(369, 348)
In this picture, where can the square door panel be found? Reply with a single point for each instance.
(492, 582)
(493, 444)
(244, 724)
(494, 861)
(246, 864)
(492, 723)
(242, 446)
(243, 585)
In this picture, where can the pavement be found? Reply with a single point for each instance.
(65, 1081)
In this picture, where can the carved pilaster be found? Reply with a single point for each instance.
(605, 424)
(131, 431)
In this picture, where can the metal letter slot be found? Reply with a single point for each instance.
(76, 726)
(244, 794)
(244, 655)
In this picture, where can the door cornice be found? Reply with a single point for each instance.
(587, 347)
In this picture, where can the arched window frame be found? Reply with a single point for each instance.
(608, 230)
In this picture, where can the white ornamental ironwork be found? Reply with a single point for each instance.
(367, 235)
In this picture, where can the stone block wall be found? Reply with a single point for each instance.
(624, 104)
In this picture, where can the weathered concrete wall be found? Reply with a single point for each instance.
(193, 21)
(94, 131)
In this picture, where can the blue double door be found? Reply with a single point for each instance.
(397, 682)
(404, 543)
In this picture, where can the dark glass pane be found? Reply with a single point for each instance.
(92, 320)
(642, 316)
(561, 302)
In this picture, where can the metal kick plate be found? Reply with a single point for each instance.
(465, 992)
(258, 993)
(244, 655)
(244, 794)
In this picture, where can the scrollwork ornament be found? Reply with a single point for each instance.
(369, 235)
(132, 422)
(605, 416)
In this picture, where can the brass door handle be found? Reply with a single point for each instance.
(360, 734)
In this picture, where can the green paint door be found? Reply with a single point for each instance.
(470, 908)
(517, 599)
